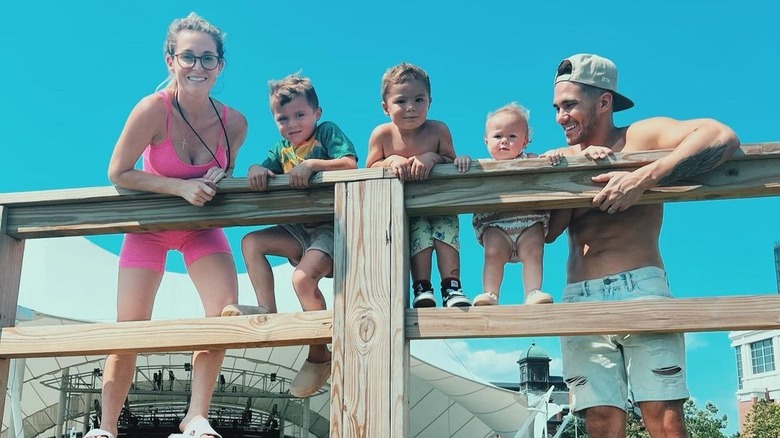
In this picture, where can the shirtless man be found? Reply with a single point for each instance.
(613, 248)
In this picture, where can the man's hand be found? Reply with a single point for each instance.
(622, 191)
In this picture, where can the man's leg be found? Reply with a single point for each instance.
(605, 422)
(664, 419)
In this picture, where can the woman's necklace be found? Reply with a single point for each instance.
(222, 124)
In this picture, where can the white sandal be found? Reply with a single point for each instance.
(486, 299)
(94, 433)
(196, 428)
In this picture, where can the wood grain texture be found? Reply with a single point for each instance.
(573, 188)
(11, 256)
(341, 233)
(756, 312)
(143, 214)
(368, 333)
(399, 302)
(250, 331)
(506, 185)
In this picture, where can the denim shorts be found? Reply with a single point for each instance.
(607, 370)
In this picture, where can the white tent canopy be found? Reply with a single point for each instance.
(71, 280)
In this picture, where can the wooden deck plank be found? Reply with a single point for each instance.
(755, 312)
(251, 331)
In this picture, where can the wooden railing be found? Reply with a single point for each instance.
(371, 323)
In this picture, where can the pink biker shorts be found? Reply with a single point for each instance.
(148, 250)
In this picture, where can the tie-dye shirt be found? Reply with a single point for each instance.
(328, 143)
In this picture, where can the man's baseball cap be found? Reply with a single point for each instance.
(596, 71)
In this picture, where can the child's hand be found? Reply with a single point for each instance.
(596, 152)
(553, 156)
(401, 168)
(258, 177)
(420, 167)
(463, 163)
(299, 176)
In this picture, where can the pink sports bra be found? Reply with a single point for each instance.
(162, 159)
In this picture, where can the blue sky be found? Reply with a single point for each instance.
(74, 70)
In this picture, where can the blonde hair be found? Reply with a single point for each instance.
(516, 110)
(402, 73)
(193, 22)
(290, 87)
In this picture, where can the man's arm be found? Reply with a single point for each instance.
(698, 146)
(559, 221)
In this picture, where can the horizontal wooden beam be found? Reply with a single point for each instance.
(569, 185)
(228, 185)
(140, 214)
(275, 330)
(489, 185)
(755, 312)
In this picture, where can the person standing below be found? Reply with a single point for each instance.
(410, 145)
(510, 237)
(188, 142)
(613, 247)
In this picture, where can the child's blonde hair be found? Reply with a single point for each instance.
(515, 109)
(290, 87)
(402, 73)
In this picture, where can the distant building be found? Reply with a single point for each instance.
(535, 378)
(777, 265)
(756, 351)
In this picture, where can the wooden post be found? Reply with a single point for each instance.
(11, 254)
(370, 351)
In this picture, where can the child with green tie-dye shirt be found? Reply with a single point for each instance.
(306, 147)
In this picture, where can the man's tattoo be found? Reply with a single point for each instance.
(695, 164)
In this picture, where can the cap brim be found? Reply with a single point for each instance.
(620, 102)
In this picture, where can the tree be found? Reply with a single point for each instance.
(763, 420)
(700, 423)
(704, 423)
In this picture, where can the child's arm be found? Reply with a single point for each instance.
(258, 174)
(376, 151)
(300, 174)
(340, 155)
(376, 154)
(422, 164)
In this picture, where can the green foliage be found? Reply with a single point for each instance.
(763, 420)
(704, 423)
(700, 423)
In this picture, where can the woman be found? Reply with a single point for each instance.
(188, 142)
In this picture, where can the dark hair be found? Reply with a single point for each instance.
(402, 73)
(292, 86)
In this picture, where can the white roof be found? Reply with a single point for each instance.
(75, 280)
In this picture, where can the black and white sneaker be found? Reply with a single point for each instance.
(452, 294)
(423, 294)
